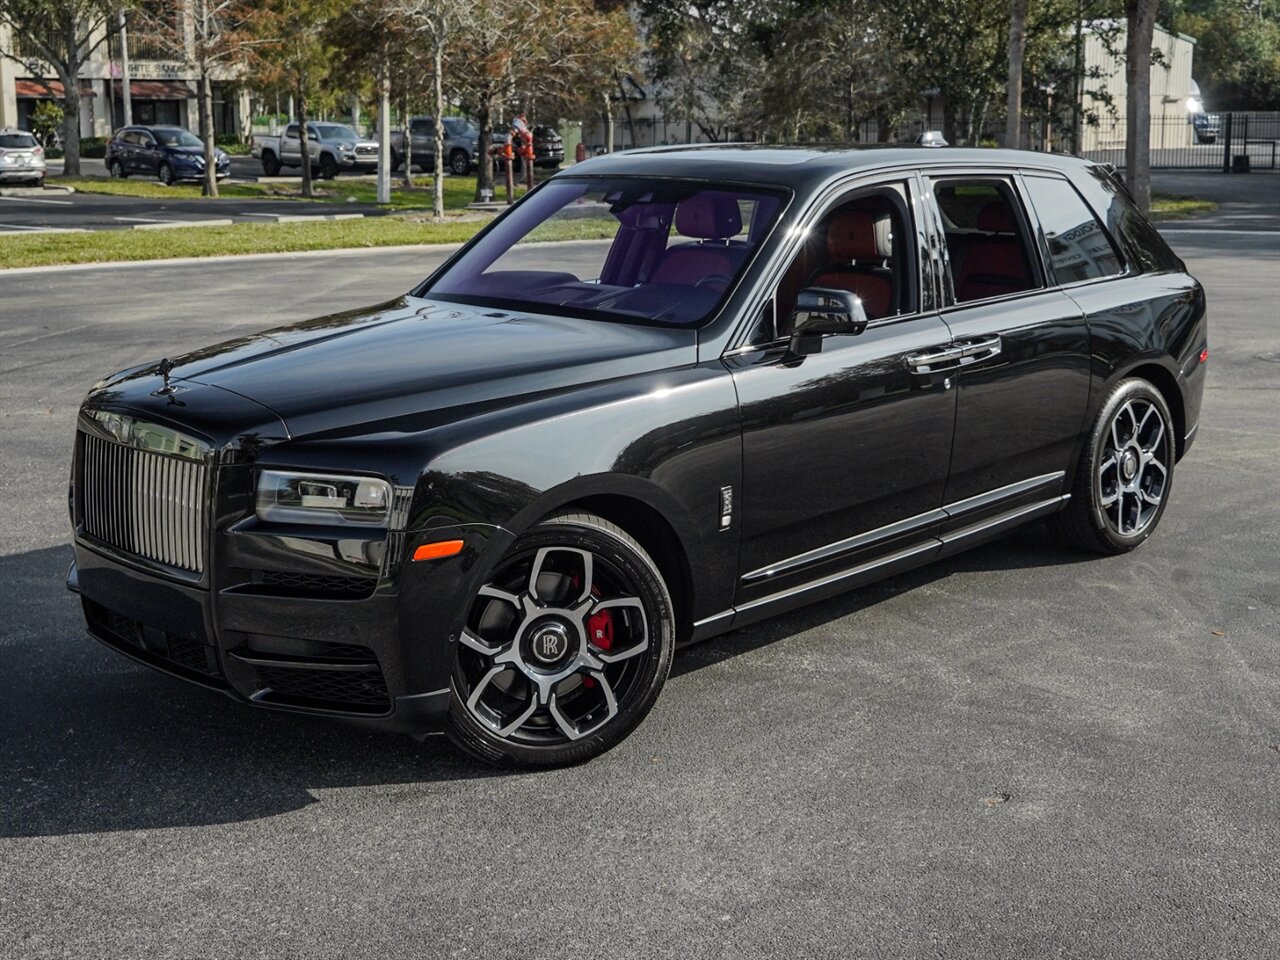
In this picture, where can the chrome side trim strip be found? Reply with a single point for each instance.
(931, 544)
(1002, 493)
(848, 545)
(1006, 518)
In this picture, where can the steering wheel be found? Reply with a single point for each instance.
(721, 278)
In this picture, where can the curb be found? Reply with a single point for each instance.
(34, 191)
(177, 224)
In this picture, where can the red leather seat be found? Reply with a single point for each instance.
(706, 216)
(858, 245)
(995, 265)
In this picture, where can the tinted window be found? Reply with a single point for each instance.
(291, 130)
(421, 128)
(987, 241)
(661, 251)
(1138, 238)
(1079, 248)
(861, 245)
(177, 137)
(16, 141)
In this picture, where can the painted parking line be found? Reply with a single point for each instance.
(20, 229)
(66, 203)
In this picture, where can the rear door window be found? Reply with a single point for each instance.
(1079, 247)
(988, 240)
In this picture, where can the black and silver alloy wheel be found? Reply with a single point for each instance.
(565, 648)
(1125, 472)
(1135, 467)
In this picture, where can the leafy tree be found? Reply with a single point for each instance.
(295, 52)
(62, 34)
(222, 33)
(1237, 57)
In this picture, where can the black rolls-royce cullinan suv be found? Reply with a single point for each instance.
(668, 393)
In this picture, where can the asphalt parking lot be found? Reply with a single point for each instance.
(55, 210)
(1020, 752)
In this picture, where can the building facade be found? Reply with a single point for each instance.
(163, 86)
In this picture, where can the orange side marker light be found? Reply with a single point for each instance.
(437, 550)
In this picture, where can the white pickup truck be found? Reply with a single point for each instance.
(333, 147)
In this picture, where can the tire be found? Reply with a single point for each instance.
(561, 658)
(116, 170)
(164, 173)
(328, 167)
(1125, 475)
(270, 164)
(459, 163)
(396, 160)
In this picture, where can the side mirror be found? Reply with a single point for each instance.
(823, 310)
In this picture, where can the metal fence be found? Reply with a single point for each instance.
(1208, 141)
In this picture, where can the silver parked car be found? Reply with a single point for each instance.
(21, 158)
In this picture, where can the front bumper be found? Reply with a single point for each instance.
(373, 661)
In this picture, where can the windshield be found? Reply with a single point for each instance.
(173, 137)
(330, 131)
(657, 251)
(460, 128)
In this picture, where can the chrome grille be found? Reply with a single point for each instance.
(144, 503)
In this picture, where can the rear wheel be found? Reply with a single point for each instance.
(1125, 475)
(459, 163)
(396, 160)
(165, 173)
(270, 164)
(565, 648)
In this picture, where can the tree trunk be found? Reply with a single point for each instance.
(406, 139)
(71, 127)
(608, 123)
(304, 144)
(1141, 22)
(210, 187)
(1017, 48)
(484, 120)
(437, 183)
(384, 129)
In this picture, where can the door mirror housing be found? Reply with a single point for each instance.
(823, 310)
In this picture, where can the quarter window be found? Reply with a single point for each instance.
(987, 240)
(1079, 248)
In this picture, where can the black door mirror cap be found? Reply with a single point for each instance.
(824, 310)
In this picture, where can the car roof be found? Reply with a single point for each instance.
(803, 167)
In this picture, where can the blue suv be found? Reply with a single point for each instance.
(169, 154)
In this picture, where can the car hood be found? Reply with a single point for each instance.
(413, 363)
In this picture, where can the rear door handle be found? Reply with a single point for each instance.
(935, 359)
(983, 348)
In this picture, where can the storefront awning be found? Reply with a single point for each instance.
(154, 90)
(48, 89)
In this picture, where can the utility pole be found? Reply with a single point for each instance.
(125, 93)
(384, 134)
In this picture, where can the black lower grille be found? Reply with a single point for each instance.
(280, 583)
(188, 656)
(333, 689)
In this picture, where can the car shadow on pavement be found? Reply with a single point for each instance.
(92, 742)
(1023, 548)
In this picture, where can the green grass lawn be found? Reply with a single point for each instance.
(1168, 206)
(458, 191)
(36, 249)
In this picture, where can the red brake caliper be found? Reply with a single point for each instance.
(599, 633)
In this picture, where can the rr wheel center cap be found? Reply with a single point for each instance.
(1129, 465)
(549, 642)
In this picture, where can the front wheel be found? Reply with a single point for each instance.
(459, 163)
(565, 648)
(115, 170)
(328, 167)
(1125, 474)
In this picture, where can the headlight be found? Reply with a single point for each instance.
(322, 498)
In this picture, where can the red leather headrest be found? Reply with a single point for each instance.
(856, 235)
(709, 216)
(996, 217)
